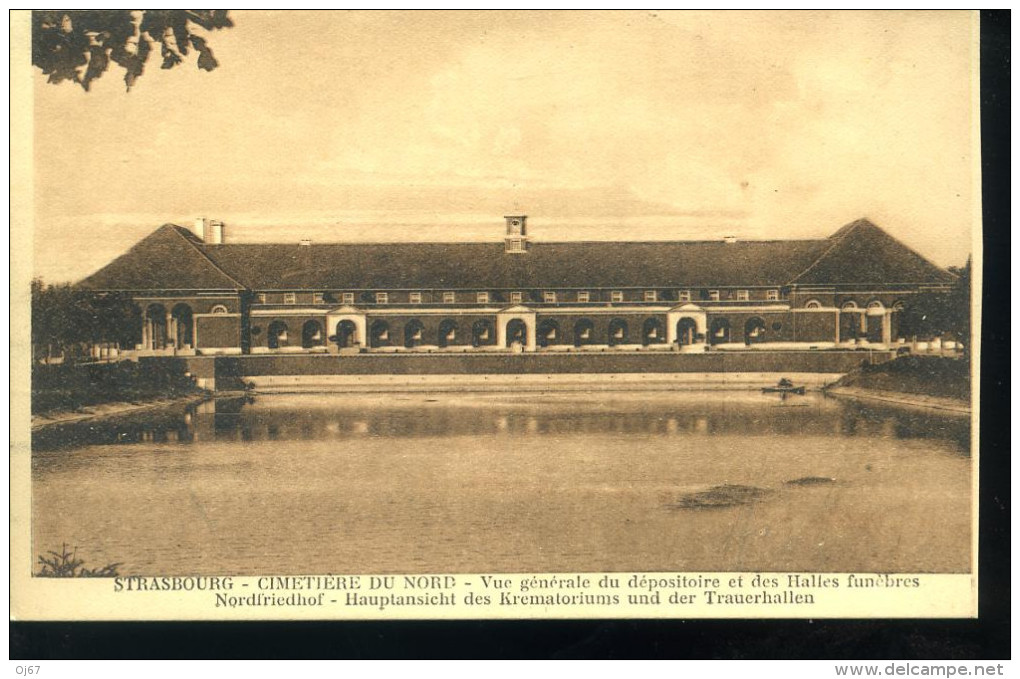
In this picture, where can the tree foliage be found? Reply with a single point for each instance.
(79, 45)
(68, 319)
(934, 314)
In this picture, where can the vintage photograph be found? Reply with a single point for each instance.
(409, 293)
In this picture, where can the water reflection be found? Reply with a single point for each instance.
(375, 483)
(328, 417)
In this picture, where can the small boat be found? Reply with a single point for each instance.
(784, 386)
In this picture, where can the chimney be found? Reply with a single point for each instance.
(199, 227)
(213, 234)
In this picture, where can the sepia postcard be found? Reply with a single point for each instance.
(494, 314)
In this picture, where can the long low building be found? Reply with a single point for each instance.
(199, 294)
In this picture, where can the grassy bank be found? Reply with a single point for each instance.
(70, 388)
(918, 375)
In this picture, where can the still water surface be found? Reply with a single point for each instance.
(324, 483)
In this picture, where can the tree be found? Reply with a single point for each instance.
(933, 314)
(78, 45)
(958, 308)
(70, 319)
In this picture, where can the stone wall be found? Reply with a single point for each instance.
(595, 362)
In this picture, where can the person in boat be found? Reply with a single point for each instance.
(785, 383)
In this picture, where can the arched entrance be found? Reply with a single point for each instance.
(875, 321)
(617, 332)
(719, 331)
(651, 331)
(346, 334)
(311, 334)
(183, 330)
(516, 333)
(686, 331)
(754, 330)
(155, 327)
(379, 334)
(481, 333)
(413, 333)
(277, 335)
(447, 332)
(584, 332)
(548, 332)
(851, 321)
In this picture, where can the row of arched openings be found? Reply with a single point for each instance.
(278, 335)
(850, 305)
(549, 332)
(413, 334)
(619, 332)
(163, 329)
(380, 334)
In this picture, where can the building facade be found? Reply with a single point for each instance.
(199, 294)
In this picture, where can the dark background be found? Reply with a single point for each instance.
(986, 637)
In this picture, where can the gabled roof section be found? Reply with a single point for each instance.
(862, 253)
(167, 259)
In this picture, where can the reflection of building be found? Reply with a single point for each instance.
(199, 293)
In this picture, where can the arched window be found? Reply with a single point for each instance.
(849, 305)
(481, 332)
(812, 304)
(277, 336)
(379, 334)
(651, 332)
(899, 305)
(413, 333)
(754, 330)
(876, 305)
(617, 331)
(218, 309)
(548, 332)
(311, 334)
(447, 332)
(584, 332)
(719, 331)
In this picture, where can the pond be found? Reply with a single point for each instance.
(502, 482)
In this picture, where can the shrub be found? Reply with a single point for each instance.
(67, 565)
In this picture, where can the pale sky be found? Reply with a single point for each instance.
(430, 126)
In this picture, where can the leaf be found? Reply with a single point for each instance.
(98, 63)
(202, 17)
(220, 19)
(153, 23)
(170, 58)
(206, 60)
(144, 48)
(78, 45)
(179, 26)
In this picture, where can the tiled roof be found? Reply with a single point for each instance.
(169, 258)
(487, 266)
(861, 253)
(172, 258)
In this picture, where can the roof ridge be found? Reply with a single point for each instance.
(841, 236)
(913, 251)
(837, 238)
(194, 246)
(532, 242)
